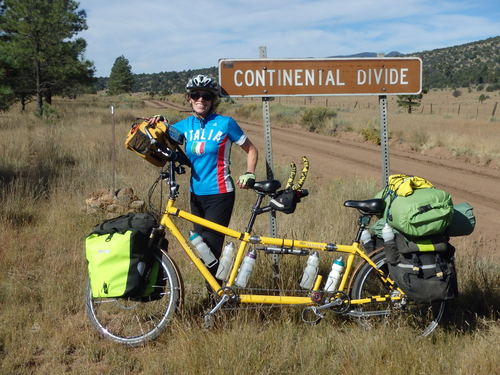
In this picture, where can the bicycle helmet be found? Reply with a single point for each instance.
(202, 82)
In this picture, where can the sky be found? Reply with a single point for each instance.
(175, 35)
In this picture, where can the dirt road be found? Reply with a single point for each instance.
(333, 157)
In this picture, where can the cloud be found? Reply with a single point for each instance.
(158, 35)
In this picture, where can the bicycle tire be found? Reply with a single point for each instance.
(424, 317)
(132, 321)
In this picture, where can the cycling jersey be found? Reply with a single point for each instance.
(208, 147)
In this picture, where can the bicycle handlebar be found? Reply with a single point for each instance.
(293, 172)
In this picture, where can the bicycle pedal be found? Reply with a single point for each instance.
(316, 317)
(208, 321)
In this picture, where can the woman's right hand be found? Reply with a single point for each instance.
(155, 119)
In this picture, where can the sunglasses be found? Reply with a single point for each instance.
(198, 95)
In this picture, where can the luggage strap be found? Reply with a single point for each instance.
(418, 267)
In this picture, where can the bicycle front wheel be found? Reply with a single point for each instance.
(133, 321)
(424, 317)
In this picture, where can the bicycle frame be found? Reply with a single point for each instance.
(246, 239)
(135, 320)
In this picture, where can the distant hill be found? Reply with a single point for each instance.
(471, 64)
(371, 54)
(466, 65)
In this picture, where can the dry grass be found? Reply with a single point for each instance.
(444, 125)
(49, 166)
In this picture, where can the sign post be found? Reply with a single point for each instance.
(266, 120)
(384, 138)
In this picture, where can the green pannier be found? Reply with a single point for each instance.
(120, 258)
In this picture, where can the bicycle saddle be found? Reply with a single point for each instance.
(369, 206)
(267, 187)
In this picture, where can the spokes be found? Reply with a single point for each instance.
(422, 316)
(134, 320)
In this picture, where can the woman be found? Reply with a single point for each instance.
(209, 137)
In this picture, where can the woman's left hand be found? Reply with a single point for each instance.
(246, 180)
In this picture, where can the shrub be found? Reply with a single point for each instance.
(314, 118)
(457, 93)
(482, 98)
(371, 134)
(493, 87)
(247, 110)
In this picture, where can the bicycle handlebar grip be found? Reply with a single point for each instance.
(303, 175)
(291, 177)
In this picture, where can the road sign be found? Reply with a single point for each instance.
(320, 77)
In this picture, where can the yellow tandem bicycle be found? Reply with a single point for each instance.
(365, 289)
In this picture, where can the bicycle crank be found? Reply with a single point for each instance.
(208, 318)
(339, 305)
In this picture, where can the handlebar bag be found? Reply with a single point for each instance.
(138, 141)
(119, 256)
(285, 201)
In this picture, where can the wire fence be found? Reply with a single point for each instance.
(467, 111)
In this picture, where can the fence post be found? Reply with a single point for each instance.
(494, 110)
(113, 148)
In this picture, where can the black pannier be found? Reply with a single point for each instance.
(425, 276)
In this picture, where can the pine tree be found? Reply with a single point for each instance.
(409, 101)
(121, 78)
(38, 37)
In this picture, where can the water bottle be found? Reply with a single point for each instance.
(387, 233)
(390, 249)
(335, 275)
(225, 262)
(310, 272)
(245, 269)
(367, 240)
(203, 250)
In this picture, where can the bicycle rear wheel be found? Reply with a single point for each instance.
(422, 316)
(133, 321)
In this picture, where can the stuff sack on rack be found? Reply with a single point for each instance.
(463, 220)
(415, 207)
(119, 256)
(138, 140)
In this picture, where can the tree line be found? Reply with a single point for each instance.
(41, 56)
